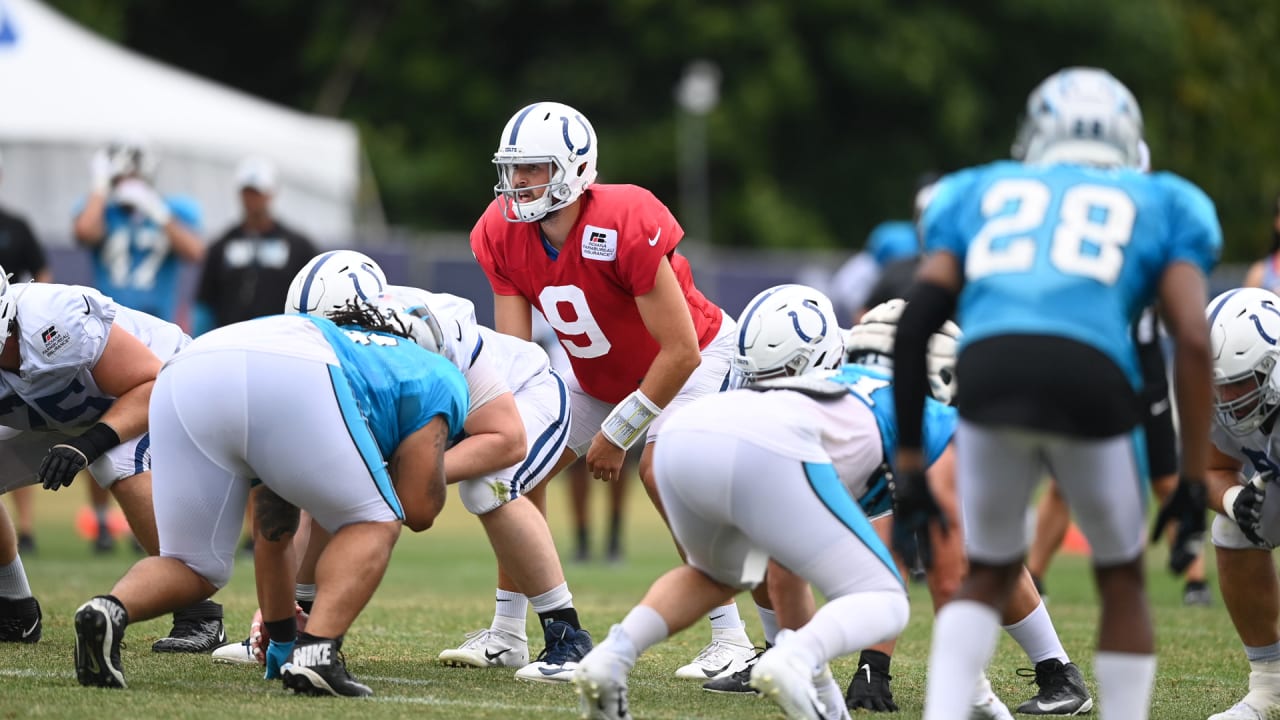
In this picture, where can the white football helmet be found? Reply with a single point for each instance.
(787, 330)
(870, 342)
(545, 132)
(418, 321)
(8, 306)
(1244, 329)
(132, 156)
(1081, 115)
(331, 280)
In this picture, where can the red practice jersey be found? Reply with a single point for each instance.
(588, 291)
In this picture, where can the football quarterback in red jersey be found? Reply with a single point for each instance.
(599, 263)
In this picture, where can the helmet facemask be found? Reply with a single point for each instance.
(555, 192)
(1245, 401)
(551, 134)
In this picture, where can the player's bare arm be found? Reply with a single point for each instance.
(127, 370)
(1182, 302)
(417, 469)
(186, 244)
(495, 440)
(666, 317)
(513, 315)
(90, 225)
(1223, 475)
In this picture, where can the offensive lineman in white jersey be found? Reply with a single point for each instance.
(76, 373)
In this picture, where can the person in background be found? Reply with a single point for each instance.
(1265, 273)
(248, 269)
(22, 255)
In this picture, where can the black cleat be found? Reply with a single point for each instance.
(735, 682)
(869, 688)
(1197, 594)
(197, 629)
(99, 628)
(1062, 690)
(20, 620)
(317, 667)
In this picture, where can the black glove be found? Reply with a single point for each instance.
(1187, 507)
(913, 510)
(1247, 511)
(65, 459)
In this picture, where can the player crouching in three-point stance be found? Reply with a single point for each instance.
(348, 421)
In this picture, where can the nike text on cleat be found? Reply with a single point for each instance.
(720, 657)
(788, 683)
(1062, 690)
(240, 653)
(600, 680)
(317, 667)
(99, 626)
(488, 648)
(20, 620)
(557, 661)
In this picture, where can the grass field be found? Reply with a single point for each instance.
(440, 586)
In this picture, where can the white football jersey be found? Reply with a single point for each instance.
(1257, 450)
(62, 331)
(840, 432)
(492, 362)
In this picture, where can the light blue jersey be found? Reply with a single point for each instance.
(1067, 250)
(398, 386)
(134, 265)
(874, 387)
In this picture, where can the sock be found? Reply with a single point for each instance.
(100, 513)
(305, 595)
(644, 627)
(845, 624)
(1124, 684)
(1264, 683)
(203, 610)
(726, 624)
(768, 621)
(1265, 654)
(1037, 636)
(556, 604)
(13, 580)
(964, 639)
(615, 533)
(507, 604)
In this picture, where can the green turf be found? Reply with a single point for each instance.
(440, 586)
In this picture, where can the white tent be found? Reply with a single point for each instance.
(64, 92)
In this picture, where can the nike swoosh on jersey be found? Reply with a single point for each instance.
(87, 309)
(654, 240)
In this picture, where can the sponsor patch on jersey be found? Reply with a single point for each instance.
(55, 341)
(599, 243)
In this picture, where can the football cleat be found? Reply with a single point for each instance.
(20, 620)
(193, 634)
(987, 705)
(869, 688)
(1246, 710)
(736, 682)
(719, 657)
(99, 627)
(788, 682)
(239, 653)
(488, 648)
(1197, 594)
(1062, 690)
(317, 667)
(566, 646)
(600, 680)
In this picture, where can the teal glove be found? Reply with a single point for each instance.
(277, 655)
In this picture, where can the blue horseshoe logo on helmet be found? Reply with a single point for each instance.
(564, 130)
(795, 322)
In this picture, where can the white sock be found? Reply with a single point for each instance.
(964, 639)
(769, 622)
(850, 623)
(1124, 684)
(726, 624)
(13, 580)
(644, 628)
(557, 598)
(1037, 636)
(304, 592)
(509, 604)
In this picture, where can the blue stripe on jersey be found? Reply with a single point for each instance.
(547, 449)
(515, 129)
(1213, 314)
(833, 494)
(362, 436)
(303, 303)
(141, 458)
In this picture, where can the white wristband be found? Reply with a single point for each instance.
(629, 419)
(1229, 500)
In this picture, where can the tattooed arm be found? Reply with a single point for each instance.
(417, 469)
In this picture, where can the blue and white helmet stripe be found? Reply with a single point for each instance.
(332, 279)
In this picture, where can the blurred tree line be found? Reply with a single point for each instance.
(828, 112)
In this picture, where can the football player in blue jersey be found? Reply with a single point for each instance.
(138, 236)
(1051, 258)
(346, 420)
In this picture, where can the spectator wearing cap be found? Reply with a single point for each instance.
(248, 269)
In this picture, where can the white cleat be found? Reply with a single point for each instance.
(788, 683)
(1250, 709)
(600, 680)
(719, 658)
(237, 653)
(987, 705)
(488, 648)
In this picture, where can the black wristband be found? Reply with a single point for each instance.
(95, 441)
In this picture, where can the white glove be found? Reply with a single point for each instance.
(136, 193)
(100, 172)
